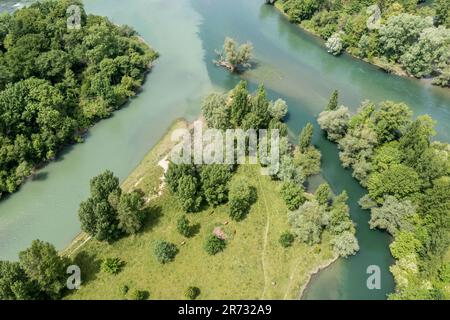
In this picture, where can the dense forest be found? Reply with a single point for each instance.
(402, 36)
(407, 176)
(56, 81)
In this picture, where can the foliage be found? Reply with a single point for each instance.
(292, 194)
(213, 245)
(130, 213)
(235, 56)
(306, 222)
(345, 244)
(306, 137)
(112, 265)
(399, 181)
(214, 179)
(165, 251)
(333, 103)
(242, 195)
(278, 109)
(140, 295)
(334, 44)
(323, 194)
(216, 111)
(334, 122)
(97, 216)
(392, 215)
(192, 293)
(56, 82)
(42, 264)
(184, 227)
(286, 239)
(407, 177)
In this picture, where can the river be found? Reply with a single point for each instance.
(292, 64)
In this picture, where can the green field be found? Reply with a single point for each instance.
(253, 265)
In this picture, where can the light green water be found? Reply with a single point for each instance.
(292, 65)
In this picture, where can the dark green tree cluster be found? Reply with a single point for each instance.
(415, 36)
(39, 274)
(407, 176)
(194, 185)
(109, 213)
(56, 81)
(242, 196)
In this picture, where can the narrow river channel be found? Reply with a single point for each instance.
(292, 64)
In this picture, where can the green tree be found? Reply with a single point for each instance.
(213, 245)
(286, 239)
(333, 103)
(392, 215)
(293, 195)
(306, 137)
(15, 284)
(234, 56)
(399, 181)
(214, 179)
(323, 194)
(216, 111)
(42, 264)
(184, 227)
(306, 222)
(241, 197)
(391, 120)
(240, 103)
(189, 193)
(97, 215)
(130, 213)
(334, 122)
(165, 251)
(112, 265)
(278, 109)
(345, 244)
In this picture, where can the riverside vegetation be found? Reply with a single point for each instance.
(407, 176)
(215, 231)
(412, 38)
(55, 81)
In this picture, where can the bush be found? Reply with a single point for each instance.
(241, 196)
(124, 289)
(184, 227)
(140, 295)
(214, 245)
(112, 265)
(192, 293)
(293, 195)
(165, 251)
(286, 239)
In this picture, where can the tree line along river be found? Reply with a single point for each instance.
(292, 64)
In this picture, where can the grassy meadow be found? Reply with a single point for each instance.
(253, 265)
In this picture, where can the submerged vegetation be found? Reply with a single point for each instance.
(400, 36)
(407, 176)
(56, 81)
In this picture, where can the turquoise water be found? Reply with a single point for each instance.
(293, 65)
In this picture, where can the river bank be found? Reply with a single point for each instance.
(391, 68)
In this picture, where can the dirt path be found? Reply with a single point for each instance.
(266, 235)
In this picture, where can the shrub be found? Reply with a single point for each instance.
(241, 197)
(140, 295)
(112, 265)
(165, 251)
(286, 239)
(124, 289)
(292, 195)
(192, 293)
(183, 226)
(214, 245)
